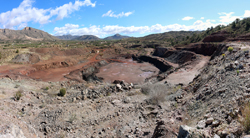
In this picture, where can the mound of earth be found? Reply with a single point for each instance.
(26, 58)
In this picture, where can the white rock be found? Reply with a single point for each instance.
(216, 136)
(119, 86)
(201, 124)
(209, 121)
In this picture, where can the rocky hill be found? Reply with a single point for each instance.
(27, 33)
(116, 37)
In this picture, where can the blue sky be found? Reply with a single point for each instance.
(127, 17)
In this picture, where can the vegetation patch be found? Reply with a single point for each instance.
(62, 92)
(230, 49)
(18, 95)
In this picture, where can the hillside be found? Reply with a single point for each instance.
(27, 33)
(87, 38)
(116, 37)
(67, 37)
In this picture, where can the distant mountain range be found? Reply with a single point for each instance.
(27, 33)
(67, 37)
(116, 37)
(87, 38)
(91, 37)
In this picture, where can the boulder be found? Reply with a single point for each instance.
(184, 131)
(201, 124)
(209, 121)
(162, 131)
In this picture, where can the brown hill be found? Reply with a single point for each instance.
(27, 33)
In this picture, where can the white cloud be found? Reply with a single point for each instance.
(113, 29)
(202, 18)
(187, 18)
(227, 17)
(20, 16)
(110, 13)
(247, 13)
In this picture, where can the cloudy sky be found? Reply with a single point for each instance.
(127, 17)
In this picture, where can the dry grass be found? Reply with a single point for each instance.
(157, 92)
(18, 95)
(246, 118)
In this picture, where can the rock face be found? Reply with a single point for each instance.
(179, 57)
(216, 37)
(26, 58)
(245, 37)
(158, 62)
(88, 74)
(203, 49)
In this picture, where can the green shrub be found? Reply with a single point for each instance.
(62, 92)
(230, 49)
(47, 88)
(238, 72)
(17, 51)
(18, 95)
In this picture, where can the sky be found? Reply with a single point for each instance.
(104, 18)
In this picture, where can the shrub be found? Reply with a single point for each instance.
(62, 92)
(230, 49)
(238, 72)
(72, 118)
(17, 51)
(223, 55)
(18, 95)
(47, 88)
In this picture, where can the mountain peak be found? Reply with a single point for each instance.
(117, 35)
(27, 28)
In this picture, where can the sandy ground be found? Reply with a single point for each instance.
(188, 73)
(129, 71)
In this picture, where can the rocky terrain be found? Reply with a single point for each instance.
(126, 88)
